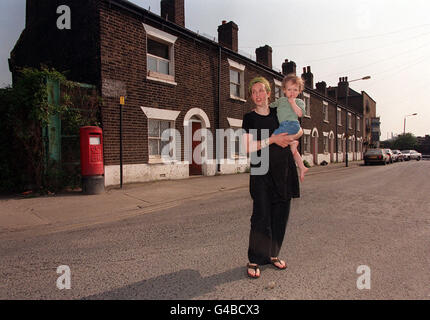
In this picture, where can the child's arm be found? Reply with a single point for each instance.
(298, 106)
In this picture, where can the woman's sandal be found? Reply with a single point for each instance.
(277, 260)
(255, 268)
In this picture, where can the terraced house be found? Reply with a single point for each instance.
(175, 78)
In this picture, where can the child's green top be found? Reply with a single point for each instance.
(285, 110)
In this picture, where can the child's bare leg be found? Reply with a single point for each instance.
(298, 159)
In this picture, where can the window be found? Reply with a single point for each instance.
(307, 143)
(358, 124)
(325, 142)
(350, 145)
(325, 111)
(160, 55)
(278, 89)
(307, 100)
(235, 83)
(339, 117)
(339, 144)
(155, 130)
(237, 80)
(349, 121)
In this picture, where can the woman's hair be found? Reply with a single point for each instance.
(295, 80)
(260, 80)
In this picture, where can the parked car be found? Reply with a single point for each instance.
(397, 156)
(376, 156)
(390, 154)
(415, 155)
(406, 155)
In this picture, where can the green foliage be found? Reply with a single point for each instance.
(306, 163)
(404, 142)
(26, 109)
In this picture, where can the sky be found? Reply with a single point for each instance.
(388, 40)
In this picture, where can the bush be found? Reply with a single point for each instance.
(306, 164)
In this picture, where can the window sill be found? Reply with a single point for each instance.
(159, 77)
(326, 121)
(237, 98)
(161, 161)
(306, 116)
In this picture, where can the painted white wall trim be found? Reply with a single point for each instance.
(236, 65)
(237, 123)
(151, 31)
(162, 114)
(200, 114)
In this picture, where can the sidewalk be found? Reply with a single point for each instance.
(73, 210)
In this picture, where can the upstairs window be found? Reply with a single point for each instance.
(339, 117)
(237, 80)
(278, 89)
(307, 100)
(325, 111)
(160, 55)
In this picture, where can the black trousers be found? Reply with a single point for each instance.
(268, 221)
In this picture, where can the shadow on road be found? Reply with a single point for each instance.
(181, 285)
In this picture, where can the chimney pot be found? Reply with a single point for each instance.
(228, 36)
(264, 55)
(288, 67)
(174, 11)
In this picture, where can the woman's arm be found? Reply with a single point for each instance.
(282, 140)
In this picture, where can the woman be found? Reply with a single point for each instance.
(271, 192)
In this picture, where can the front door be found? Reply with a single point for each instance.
(195, 166)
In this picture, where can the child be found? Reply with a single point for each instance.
(289, 108)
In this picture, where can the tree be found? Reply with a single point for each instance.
(405, 142)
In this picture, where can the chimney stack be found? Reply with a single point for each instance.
(341, 87)
(228, 35)
(308, 77)
(289, 67)
(264, 55)
(174, 11)
(322, 87)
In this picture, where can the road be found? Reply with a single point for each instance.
(376, 216)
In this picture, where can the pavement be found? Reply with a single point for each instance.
(72, 210)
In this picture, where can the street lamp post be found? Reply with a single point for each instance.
(346, 117)
(404, 121)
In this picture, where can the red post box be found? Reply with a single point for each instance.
(92, 167)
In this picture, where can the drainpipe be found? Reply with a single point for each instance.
(217, 113)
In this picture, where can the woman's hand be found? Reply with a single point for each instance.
(282, 139)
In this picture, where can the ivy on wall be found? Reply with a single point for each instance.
(26, 110)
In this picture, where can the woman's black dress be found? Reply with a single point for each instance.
(271, 193)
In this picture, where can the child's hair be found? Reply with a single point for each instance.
(295, 80)
(259, 80)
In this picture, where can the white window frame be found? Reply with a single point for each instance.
(339, 117)
(278, 85)
(168, 39)
(326, 142)
(236, 124)
(349, 120)
(307, 100)
(306, 141)
(358, 123)
(339, 143)
(325, 111)
(233, 65)
(162, 115)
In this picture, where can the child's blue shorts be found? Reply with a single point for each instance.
(290, 127)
